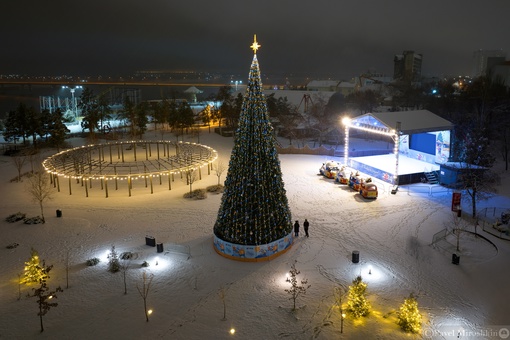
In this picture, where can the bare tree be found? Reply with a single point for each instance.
(222, 293)
(144, 291)
(67, 264)
(195, 132)
(456, 226)
(191, 177)
(39, 188)
(34, 159)
(20, 282)
(19, 160)
(219, 168)
(124, 267)
(339, 293)
(296, 289)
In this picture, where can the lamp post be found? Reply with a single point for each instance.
(237, 82)
(346, 121)
(74, 105)
(342, 321)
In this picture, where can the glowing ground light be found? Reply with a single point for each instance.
(232, 331)
(149, 311)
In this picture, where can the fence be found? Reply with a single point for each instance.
(439, 236)
(429, 189)
(495, 221)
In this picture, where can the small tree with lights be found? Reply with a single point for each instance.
(357, 303)
(409, 317)
(44, 296)
(296, 289)
(32, 271)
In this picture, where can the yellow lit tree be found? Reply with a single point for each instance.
(409, 317)
(33, 271)
(357, 303)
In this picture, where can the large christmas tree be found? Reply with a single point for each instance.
(254, 208)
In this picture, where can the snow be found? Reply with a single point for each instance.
(392, 234)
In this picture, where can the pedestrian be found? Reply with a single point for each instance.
(296, 228)
(306, 224)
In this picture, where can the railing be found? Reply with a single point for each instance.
(429, 189)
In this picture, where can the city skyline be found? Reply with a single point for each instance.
(338, 40)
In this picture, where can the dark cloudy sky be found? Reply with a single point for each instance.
(335, 37)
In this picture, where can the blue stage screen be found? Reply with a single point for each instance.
(424, 142)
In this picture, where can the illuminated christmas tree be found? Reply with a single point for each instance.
(254, 208)
(33, 271)
(409, 317)
(357, 303)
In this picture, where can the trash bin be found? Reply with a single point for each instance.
(455, 259)
(160, 247)
(355, 256)
(59, 213)
(150, 241)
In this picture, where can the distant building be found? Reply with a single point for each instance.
(346, 88)
(343, 87)
(322, 85)
(407, 66)
(484, 61)
(502, 71)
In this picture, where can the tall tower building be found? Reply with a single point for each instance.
(485, 60)
(407, 66)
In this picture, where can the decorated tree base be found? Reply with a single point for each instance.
(253, 253)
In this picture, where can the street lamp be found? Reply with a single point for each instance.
(237, 82)
(74, 105)
(342, 322)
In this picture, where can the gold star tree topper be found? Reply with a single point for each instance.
(255, 46)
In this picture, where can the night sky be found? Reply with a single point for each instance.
(337, 38)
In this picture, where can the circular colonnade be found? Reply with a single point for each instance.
(128, 161)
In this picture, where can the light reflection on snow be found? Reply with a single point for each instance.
(370, 272)
(158, 263)
(103, 257)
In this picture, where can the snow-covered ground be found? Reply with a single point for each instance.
(392, 234)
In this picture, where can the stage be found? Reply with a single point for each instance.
(383, 167)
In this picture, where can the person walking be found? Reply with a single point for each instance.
(296, 228)
(306, 224)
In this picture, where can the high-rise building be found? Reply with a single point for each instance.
(407, 66)
(485, 60)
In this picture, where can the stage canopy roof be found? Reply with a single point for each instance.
(418, 121)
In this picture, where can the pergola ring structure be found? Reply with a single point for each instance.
(128, 161)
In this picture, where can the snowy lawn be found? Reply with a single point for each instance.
(392, 233)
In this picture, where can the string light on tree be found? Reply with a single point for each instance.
(254, 208)
(32, 271)
(357, 302)
(409, 317)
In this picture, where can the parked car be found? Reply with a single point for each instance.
(368, 190)
(329, 169)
